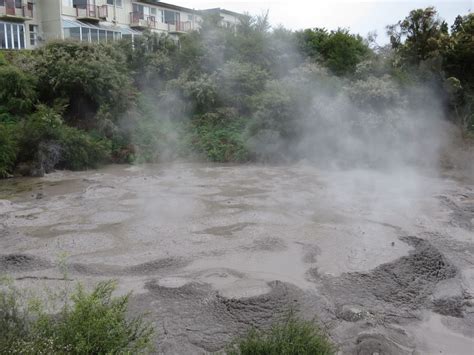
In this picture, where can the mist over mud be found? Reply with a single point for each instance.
(382, 259)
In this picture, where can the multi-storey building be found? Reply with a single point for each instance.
(29, 23)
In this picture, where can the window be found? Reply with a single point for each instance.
(117, 3)
(82, 4)
(33, 35)
(30, 8)
(94, 34)
(12, 35)
(153, 11)
(18, 4)
(138, 11)
(170, 17)
(3, 39)
(190, 18)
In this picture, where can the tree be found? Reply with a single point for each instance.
(339, 50)
(420, 36)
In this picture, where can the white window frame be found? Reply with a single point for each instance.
(33, 35)
(15, 32)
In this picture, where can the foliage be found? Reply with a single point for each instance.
(45, 139)
(339, 50)
(8, 150)
(424, 33)
(17, 91)
(291, 337)
(88, 323)
(219, 137)
(242, 93)
(85, 77)
(238, 83)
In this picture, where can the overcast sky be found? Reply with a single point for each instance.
(359, 16)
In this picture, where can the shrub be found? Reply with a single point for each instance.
(219, 137)
(8, 150)
(94, 323)
(46, 140)
(292, 337)
(81, 150)
(238, 83)
(17, 90)
(85, 76)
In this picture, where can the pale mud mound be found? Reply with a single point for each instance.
(22, 262)
(194, 318)
(393, 288)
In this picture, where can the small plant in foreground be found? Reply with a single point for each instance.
(291, 337)
(88, 323)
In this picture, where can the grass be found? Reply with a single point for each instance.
(88, 323)
(291, 337)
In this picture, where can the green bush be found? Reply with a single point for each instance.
(85, 77)
(44, 134)
(81, 150)
(292, 337)
(8, 150)
(17, 90)
(219, 136)
(88, 323)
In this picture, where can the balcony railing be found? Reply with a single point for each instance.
(186, 26)
(19, 13)
(92, 12)
(140, 20)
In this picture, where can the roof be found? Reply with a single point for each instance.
(168, 6)
(71, 23)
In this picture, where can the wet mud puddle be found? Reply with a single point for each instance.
(384, 260)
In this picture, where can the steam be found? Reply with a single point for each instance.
(304, 113)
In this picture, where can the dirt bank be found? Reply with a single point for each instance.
(384, 260)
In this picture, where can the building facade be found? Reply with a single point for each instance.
(26, 24)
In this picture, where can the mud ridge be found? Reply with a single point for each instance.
(144, 269)
(11, 263)
(394, 288)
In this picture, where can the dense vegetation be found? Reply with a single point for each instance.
(236, 95)
(86, 323)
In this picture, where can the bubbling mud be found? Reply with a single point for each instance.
(383, 260)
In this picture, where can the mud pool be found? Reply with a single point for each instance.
(383, 260)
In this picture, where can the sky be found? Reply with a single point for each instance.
(359, 16)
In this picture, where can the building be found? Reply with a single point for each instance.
(229, 19)
(29, 23)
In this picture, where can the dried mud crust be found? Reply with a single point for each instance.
(396, 288)
(196, 315)
(11, 263)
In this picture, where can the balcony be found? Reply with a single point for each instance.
(141, 21)
(181, 27)
(18, 14)
(91, 13)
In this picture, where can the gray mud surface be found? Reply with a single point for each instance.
(382, 260)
